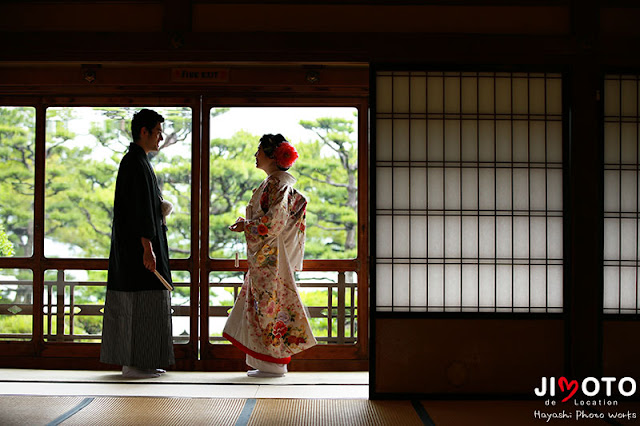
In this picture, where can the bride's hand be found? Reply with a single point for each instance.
(238, 226)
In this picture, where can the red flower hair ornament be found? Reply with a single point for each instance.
(285, 155)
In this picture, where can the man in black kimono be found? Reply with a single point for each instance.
(137, 331)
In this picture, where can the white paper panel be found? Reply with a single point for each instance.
(520, 141)
(401, 188)
(554, 190)
(400, 236)
(629, 191)
(537, 280)
(503, 285)
(469, 141)
(419, 237)
(470, 237)
(435, 94)
(400, 94)
(485, 92)
(554, 96)
(400, 285)
(452, 231)
(629, 91)
(487, 286)
(537, 193)
(629, 239)
(611, 143)
(401, 140)
(503, 95)
(629, 143)
(612, 190)
(436, 285)
(487, 237)
(384, 281)
(503, 235)
(555, 238)
(503, 189)
(611, 286)
(383, 236)
(503, 141)
(538, 238)
(537, 96)
(452, 95)
(436, 191)
(486, 141)
(418, 285)
(521, 237)
(555, 295)
(521, 189)
(487, 189)
(418, 140)
(554, 141)
(470, 286)
(384, 140)
(452, 296)
(628, 283)
(436, 236)
(470, 189)
(418, 94)
(452, 140)
(537, 142)
(611, 239)
(520, 286)
(452, 188)
(520, 96)
(418, 189)
(384, 188)
(469, 95)
(383, 94)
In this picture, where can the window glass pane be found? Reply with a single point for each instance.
(331, 299)
(84, 146)
(326, 173)
(17, 180)
(74, 305)
(16, 304)
(224, 287)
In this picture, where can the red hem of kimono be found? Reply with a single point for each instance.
(254, 354)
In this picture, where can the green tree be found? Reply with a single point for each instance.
(6, 246)
(330, 181)
(17, 156)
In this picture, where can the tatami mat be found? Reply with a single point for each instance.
(35, 410)
(158, 411)
(290, 412)
(123, 411)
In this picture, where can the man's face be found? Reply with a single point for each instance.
(151, 141)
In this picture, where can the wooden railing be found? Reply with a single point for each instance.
(61, 312)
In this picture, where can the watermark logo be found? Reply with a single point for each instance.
(594, 398)
(590, 386)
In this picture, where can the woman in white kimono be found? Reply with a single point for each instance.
(268, 321)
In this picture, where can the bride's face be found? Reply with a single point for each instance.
(261, 159)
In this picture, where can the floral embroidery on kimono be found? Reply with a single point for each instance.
(268, 320)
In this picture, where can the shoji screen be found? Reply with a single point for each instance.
(621, 201)
(468, 192)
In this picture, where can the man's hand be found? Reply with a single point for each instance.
(149, 257)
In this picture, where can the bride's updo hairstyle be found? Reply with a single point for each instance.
(277, 147)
